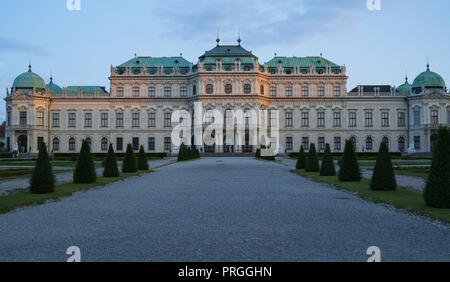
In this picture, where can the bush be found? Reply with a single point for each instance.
(182, 153)
(383, 177)
(437, 189)
(327, 168)
(129, 161)
(301, 162)
(85, 169)
(349, 169)
(42, 180)
(110, 164)
(142, 159)
(312, 162)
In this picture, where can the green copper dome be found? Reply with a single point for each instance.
(405, 88)
(429, 79)
(29, 80)
(52, 87)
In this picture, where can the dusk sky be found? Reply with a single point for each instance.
(78, 47)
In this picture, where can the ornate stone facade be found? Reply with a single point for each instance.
(309, 92)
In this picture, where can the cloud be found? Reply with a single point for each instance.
(11, 45)
(260, 21)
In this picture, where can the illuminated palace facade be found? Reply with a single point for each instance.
(310, 94)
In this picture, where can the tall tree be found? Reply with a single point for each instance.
(142, 159)
(111, 169)
(301, 161)
(42, 180)
(85, 169)
(327, 168)
(437, 189)
(312, 162)
(383, 177)
(129, 160)
(349, 170)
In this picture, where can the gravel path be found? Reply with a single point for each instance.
(8, 186)
(412, 183)
(219, 209)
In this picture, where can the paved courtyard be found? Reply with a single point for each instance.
(219, 209)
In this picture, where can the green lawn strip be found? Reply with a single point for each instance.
(25, 198)
(421, 172)
(396, 163)
(54, 163)
(25, 172)
(400, 198)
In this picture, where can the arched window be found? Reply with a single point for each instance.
(194, 90)
(72, 144)
(385, 140)
(247, 88)
(261, 89)
(369, 144)
(209, 88)
(401, 144)
(55, 144)
(228, 88)
(104, 144)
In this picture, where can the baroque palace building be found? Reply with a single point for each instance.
(310, 94)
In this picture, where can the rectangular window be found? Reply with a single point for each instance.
(151, 91)
(104, 119)
(8, 118)
(434, 117)
(273, 119)
(305, 91)
(337, 143)
(40, 118)
(135, 91)
(352, 119)
(135, 143)
(305, 119)
(337, 119)
(368, 119)
(151, 143)
(167, 91)
(321, 91)
(416, 117)
(119, 119)
(72, 119)
(305, 143)
(167, 144)
(55, 118)
(417, 142)
(119, 91)
(119, 144)
(273, 91)
(337, 91)
(135, 119)
(88, 120)
(321, 141)
(401, 119)
(183, 91)
(288, 121)
(23, 118)
(151, 119)
(289, 143)
(320, 119)
(288, 91)
(167, 120)
(385, 119)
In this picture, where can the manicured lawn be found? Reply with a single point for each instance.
(394, 162)
(25, 198)
(421, 172)
(13, 173)
(54, 163)
(401, 198)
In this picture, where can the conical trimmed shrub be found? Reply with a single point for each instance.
(312, 162)
(181, 153)
(111, 169)
(301, 161)
(142, 159)
(349, 170)
(258, 153)
(85, 169)
(42, 180)
(437, 189)
(383, 177)
(327, 168)
(129, 160)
